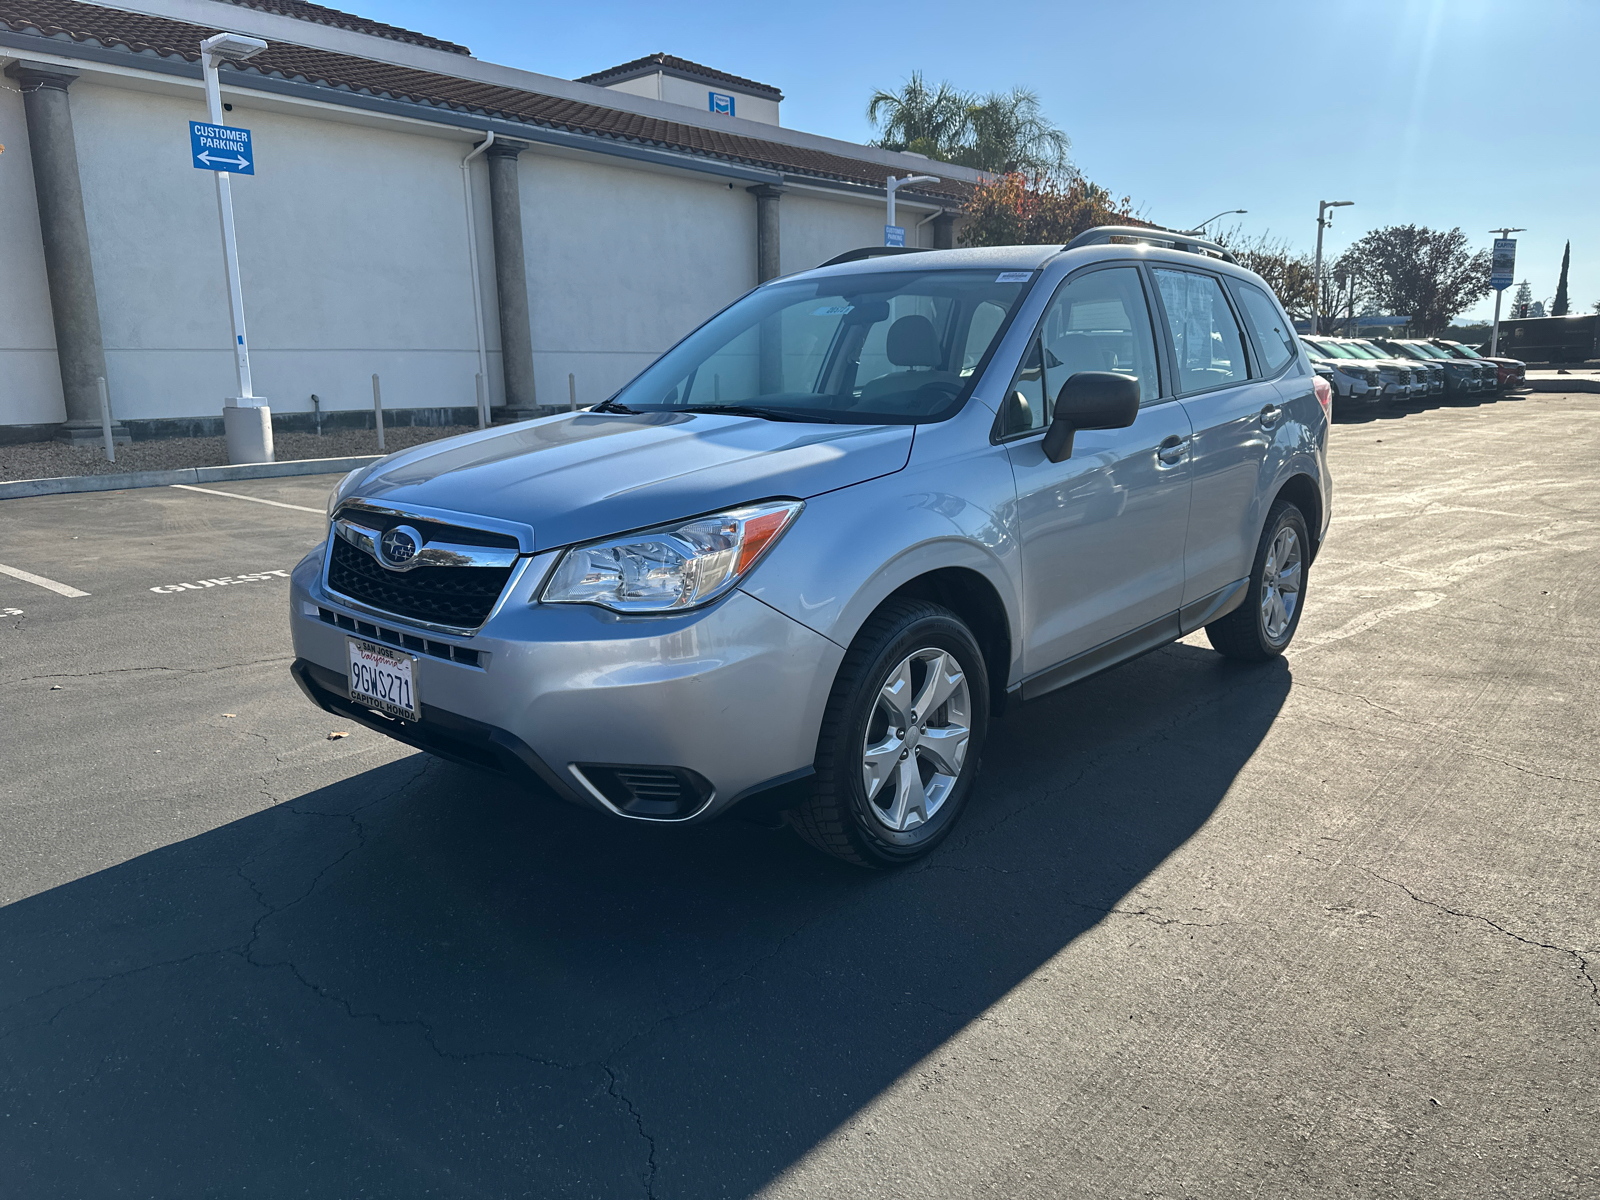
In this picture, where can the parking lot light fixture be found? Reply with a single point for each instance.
(214, 50)
(894, 184)
(1324, 219)
(1227, 212)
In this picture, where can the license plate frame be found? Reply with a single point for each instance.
(382, 678)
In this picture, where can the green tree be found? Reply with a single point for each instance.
(920, 119)
(1429, 274)
(1561, 306)
(1003, 131)
(1015, 209)
(1287, 273)
(1008, 131)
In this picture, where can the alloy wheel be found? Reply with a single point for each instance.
(1280, 584)
(916, 739)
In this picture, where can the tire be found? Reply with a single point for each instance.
(1263, 626)
(899, 652)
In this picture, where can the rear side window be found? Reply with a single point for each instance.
(1274, 338)
(1206, 338)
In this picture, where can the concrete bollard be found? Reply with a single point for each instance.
(247, 422)
(377, 409)
(105, 419)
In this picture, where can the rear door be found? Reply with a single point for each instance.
(1102, 532)
(1234, 411)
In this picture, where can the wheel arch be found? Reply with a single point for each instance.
(973, 598)
(1302, 491)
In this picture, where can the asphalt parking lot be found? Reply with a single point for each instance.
(1327, 927)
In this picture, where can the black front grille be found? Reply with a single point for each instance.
(460, 596)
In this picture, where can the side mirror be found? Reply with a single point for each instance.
(1090, 400)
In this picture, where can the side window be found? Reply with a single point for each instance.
(1095, 322)
(1205, 337)
(1274, 338)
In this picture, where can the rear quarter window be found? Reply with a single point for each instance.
(1273, 337)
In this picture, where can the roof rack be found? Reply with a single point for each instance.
(850, 256)
(1167, 239)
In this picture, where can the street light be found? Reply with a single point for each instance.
(1227, 212)
(234, 47)
(1499, 294)
(899, 183)
(1323, 221)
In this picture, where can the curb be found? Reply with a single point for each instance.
(1562, 383)
(19, 488)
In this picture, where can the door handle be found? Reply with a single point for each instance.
(1172, 450)
(1270, 416)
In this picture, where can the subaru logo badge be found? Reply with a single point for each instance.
(398, 546)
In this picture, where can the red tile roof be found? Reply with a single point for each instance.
(304, 10)
(682, 66)
(141, 33)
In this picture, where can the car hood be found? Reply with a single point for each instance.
(585, 475)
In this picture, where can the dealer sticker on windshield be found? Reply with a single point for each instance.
(832, 310)
(1013, 277)
(381, 678)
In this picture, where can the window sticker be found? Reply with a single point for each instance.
(832, 310)
(1013, 277)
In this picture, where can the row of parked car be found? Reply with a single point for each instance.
(1368, 371)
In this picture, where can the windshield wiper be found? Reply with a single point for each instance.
(754, 410)
(611, 406)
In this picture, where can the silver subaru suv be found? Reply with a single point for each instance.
(799, 563)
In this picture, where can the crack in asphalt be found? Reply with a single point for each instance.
(614, 1088)
(1579, 956)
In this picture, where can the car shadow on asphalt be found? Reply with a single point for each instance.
(422, 980)
(1397, 409)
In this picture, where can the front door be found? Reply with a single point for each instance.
(1102, 532)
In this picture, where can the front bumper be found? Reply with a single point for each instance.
(732, 693)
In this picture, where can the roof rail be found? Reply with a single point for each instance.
(1167, 239)
(850, 256)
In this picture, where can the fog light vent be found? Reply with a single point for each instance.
(653, 793)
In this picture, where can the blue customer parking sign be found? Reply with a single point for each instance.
(221, 148)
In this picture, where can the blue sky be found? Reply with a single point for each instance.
(1470, 113)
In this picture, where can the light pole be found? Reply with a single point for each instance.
(1227, 212)
(1499, 292)
(1323, 221)
(233, 47)
(899, 183)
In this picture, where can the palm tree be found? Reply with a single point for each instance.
(921, 119)
(999, 132)
(1008, 132)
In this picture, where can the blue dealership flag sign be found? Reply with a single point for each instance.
(1505, 264)
(221, 148)
(894, 235)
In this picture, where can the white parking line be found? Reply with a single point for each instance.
(189, 487)
(60, 589)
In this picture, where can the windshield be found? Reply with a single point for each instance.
(1379, 351)
(1361, 350)
(1428, 349)
(894, 347)
(1325, 349)
(1460, 351)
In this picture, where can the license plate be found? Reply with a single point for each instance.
(381, 678)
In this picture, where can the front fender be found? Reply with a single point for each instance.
(853, 548)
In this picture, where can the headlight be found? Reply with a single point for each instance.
(673, 567)
(338, 492)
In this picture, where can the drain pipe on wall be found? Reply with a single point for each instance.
(481, 384)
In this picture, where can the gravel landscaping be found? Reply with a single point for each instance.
(49, 460)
